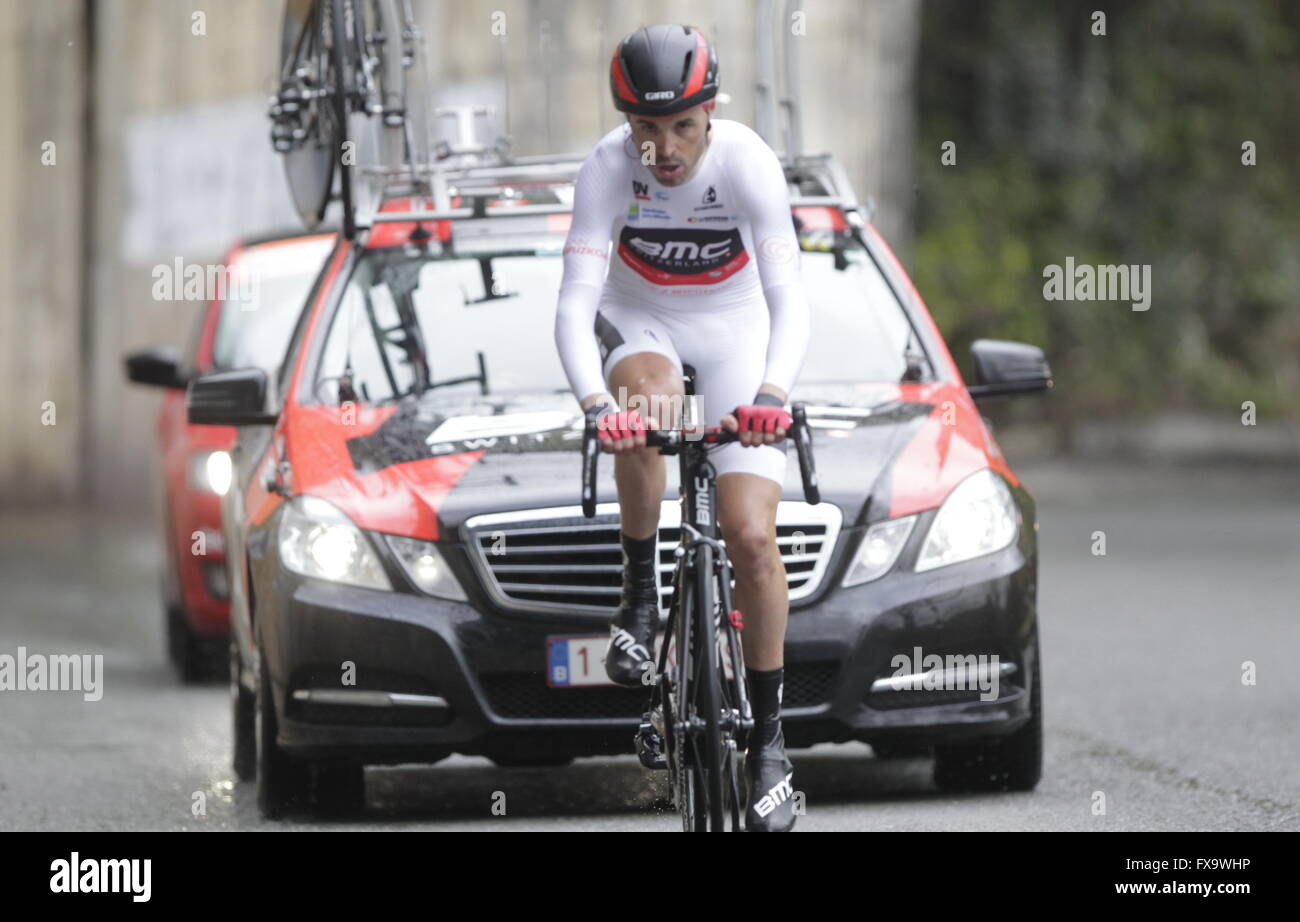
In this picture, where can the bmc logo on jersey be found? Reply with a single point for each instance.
(641, 190)
(682, 256)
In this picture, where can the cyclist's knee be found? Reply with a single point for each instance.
(747, 515)
(652, 388)
(749, 547)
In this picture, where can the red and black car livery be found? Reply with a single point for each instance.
(412, 575)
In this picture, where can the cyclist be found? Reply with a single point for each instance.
(704, 271)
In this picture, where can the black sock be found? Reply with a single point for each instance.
(641, 560)
(765, 688)
(639, 549)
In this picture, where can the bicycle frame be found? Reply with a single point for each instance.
(702, 597)
(703, 712)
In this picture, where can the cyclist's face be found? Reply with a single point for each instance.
(676, 142)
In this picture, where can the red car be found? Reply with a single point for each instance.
(412, 576)
(269, 279)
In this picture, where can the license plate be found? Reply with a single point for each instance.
(579, 662)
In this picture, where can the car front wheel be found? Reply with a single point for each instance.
(1006, 763)
(283, 782)
(243, 707)
(340, 787)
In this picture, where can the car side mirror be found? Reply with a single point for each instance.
(1003, 369)
(158, 367)
(229, 398)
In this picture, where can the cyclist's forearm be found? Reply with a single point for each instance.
(788, 340)
(776, 250)
(575, 318)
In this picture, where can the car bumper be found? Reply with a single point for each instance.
(454, 680)
(393, 677)
(867, 639)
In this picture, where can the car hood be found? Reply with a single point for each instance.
(422, 467)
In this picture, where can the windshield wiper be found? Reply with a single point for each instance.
(915, 363)
(490, 285)
(481, 378)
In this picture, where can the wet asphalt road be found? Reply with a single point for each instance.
(1142, 656)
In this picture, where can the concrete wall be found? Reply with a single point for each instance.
(43, 81)
(164, 153)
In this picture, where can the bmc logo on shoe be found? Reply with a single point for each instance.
(623, 640)
(779, 794)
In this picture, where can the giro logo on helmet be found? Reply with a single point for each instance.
(662, 70)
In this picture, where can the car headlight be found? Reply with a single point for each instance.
(978, 517)
(424, 564)
(880, 547)
(317, 539)
(210, 471)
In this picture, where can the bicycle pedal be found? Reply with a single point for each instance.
(650, 746)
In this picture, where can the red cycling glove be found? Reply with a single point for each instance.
(612, 423)
(766, 414)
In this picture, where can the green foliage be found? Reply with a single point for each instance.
(1118, 149)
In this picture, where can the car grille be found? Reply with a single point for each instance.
(527, 696)
(557, 560)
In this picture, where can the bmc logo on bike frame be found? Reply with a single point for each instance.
(703, 514)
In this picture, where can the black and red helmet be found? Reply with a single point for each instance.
(660, 70)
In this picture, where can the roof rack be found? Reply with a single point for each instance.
(487, 179)
(820, 179)
(487, 189)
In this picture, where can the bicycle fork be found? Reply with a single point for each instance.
(738, 717)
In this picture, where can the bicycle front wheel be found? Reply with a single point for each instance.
(686, 782)
(707, 750)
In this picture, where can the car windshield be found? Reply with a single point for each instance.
(411, 323)
(268, 286)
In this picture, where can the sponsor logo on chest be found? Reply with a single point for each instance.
(682, 255)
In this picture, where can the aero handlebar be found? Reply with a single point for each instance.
(673, 441)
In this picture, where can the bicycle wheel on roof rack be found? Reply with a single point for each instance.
(305, 115)
(389, 124)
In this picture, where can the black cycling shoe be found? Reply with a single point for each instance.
(632, 633)
(769, 772)
(771, 794)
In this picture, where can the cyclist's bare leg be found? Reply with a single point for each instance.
(748, 504)
(639, 381)
(747, 512)
(640, 473)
